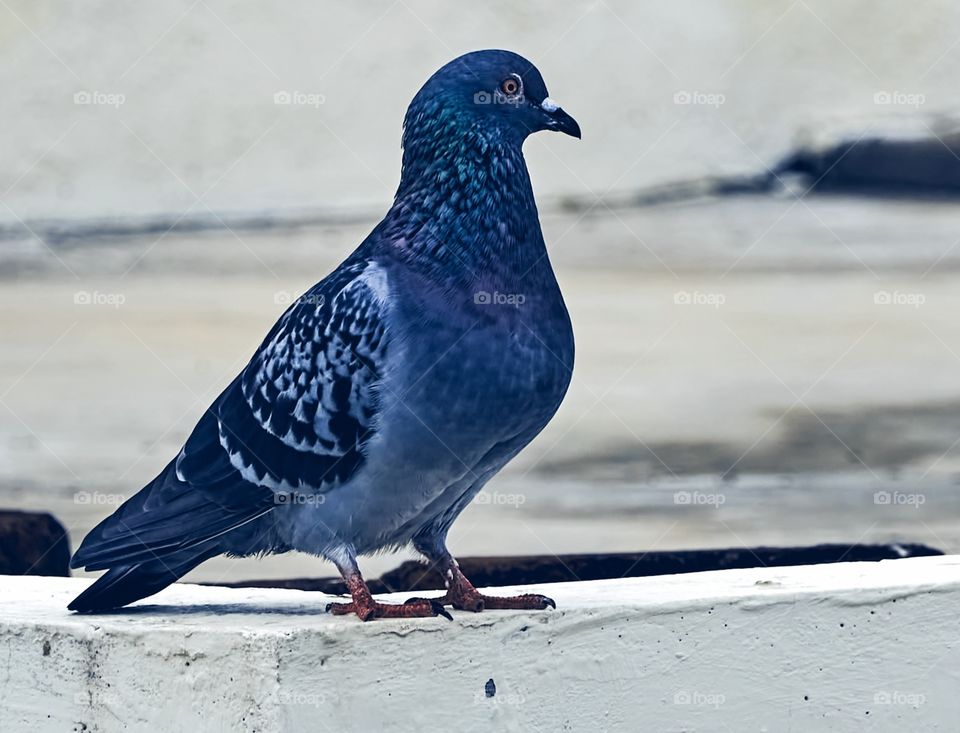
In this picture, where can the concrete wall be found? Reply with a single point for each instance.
(181, 114)
(847, 647)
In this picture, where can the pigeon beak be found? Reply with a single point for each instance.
(559, 120)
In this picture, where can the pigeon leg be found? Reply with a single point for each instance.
(367, 608)
(464, 597)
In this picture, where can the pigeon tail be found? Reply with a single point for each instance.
(168, 516)
(128, 583)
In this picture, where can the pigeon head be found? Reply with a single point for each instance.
(494, 96)
(465, 199)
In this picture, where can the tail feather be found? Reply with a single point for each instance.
(160, 534)
(165, 518)
(125, 584)
(184, 532)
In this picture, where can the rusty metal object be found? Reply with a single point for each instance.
(523, 570)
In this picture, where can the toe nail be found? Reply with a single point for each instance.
(439, 610)
(549, 602)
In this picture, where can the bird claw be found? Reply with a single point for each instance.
(477, 602)
(439, 610)
(413, 608)
(527, 601)
(436, 603)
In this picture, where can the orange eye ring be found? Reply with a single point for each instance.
(511, 86)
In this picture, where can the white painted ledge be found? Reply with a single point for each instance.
(850, 647)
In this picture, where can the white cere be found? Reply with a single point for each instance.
(548, 105)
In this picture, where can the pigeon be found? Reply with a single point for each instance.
(386, 396)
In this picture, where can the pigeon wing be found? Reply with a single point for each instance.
(295, 421)
(298, 416)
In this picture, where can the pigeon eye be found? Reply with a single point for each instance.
(511, 86)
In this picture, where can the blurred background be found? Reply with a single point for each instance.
(756, 237)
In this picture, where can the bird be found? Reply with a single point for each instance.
(386, 396)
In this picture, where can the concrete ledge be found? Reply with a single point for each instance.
(815, 648)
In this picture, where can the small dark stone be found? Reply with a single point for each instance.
(490, 689)
(33, 543)
(46, 648)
